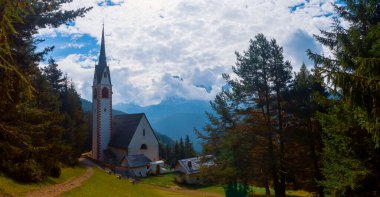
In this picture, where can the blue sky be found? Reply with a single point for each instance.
(162, 48)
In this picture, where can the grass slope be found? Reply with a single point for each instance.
(9, 187)
(167, 181)
(102, 184)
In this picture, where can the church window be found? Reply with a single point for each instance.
(105, 92)
(105, 74)
(95, 93)
(143, 147)
(143, 132)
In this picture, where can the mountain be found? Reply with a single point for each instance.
(164, 139)
(87, 105)
(174, 117)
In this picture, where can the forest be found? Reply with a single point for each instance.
(315, 129)
(42, 124)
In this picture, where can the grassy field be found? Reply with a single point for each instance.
(9, 187)
(102, 184)
(167, 181)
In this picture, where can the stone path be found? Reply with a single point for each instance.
(58, 189)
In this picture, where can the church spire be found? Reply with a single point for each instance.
(102, 66)
(102, 56)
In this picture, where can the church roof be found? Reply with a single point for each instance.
(137, 160)
(192, 165)
(102, 64)
(123, 128)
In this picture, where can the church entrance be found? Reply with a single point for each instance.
(158, 169)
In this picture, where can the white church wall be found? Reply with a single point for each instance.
(105, 121)
(149, 139)
(102, 110)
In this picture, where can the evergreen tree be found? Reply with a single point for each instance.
(76, 129)
(30, 130)
(304, 101)
(353, 69)
(176, 152)
(230, 143)
(348, 156)
(263, 77)
(182, 150)
(54, 75)
(189, 150)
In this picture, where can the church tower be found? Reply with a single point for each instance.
(101, 105)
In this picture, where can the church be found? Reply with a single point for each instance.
(125, 141)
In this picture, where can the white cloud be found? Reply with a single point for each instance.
(72, 45)
(149, 41)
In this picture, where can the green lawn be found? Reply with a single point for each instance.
(167, 180)
(13, 188)
(102, 184)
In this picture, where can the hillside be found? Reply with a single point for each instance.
(87, 105)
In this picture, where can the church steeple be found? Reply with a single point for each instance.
(102, 66)
(102, 55)
(101, 105)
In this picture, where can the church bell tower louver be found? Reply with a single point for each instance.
(101, 105)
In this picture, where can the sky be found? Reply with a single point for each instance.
(158, 49)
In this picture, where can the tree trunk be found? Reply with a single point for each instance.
(282, 149)
(313, 146)
(273, 160)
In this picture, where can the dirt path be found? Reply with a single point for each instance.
(56, 190)
(190, 192)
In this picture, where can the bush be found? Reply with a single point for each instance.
(28, 171)
(55, 171)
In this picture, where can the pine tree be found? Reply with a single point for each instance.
(30, 130)
(263, 77)
(182, 150)
(229, 142)
(76, 129)
(176, 153)
(304, 101)
(54, 75)
(189, 150)
(353, 69)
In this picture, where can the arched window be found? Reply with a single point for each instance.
(105, 92)
(143, 147)
(105, 74)
(95, 93)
